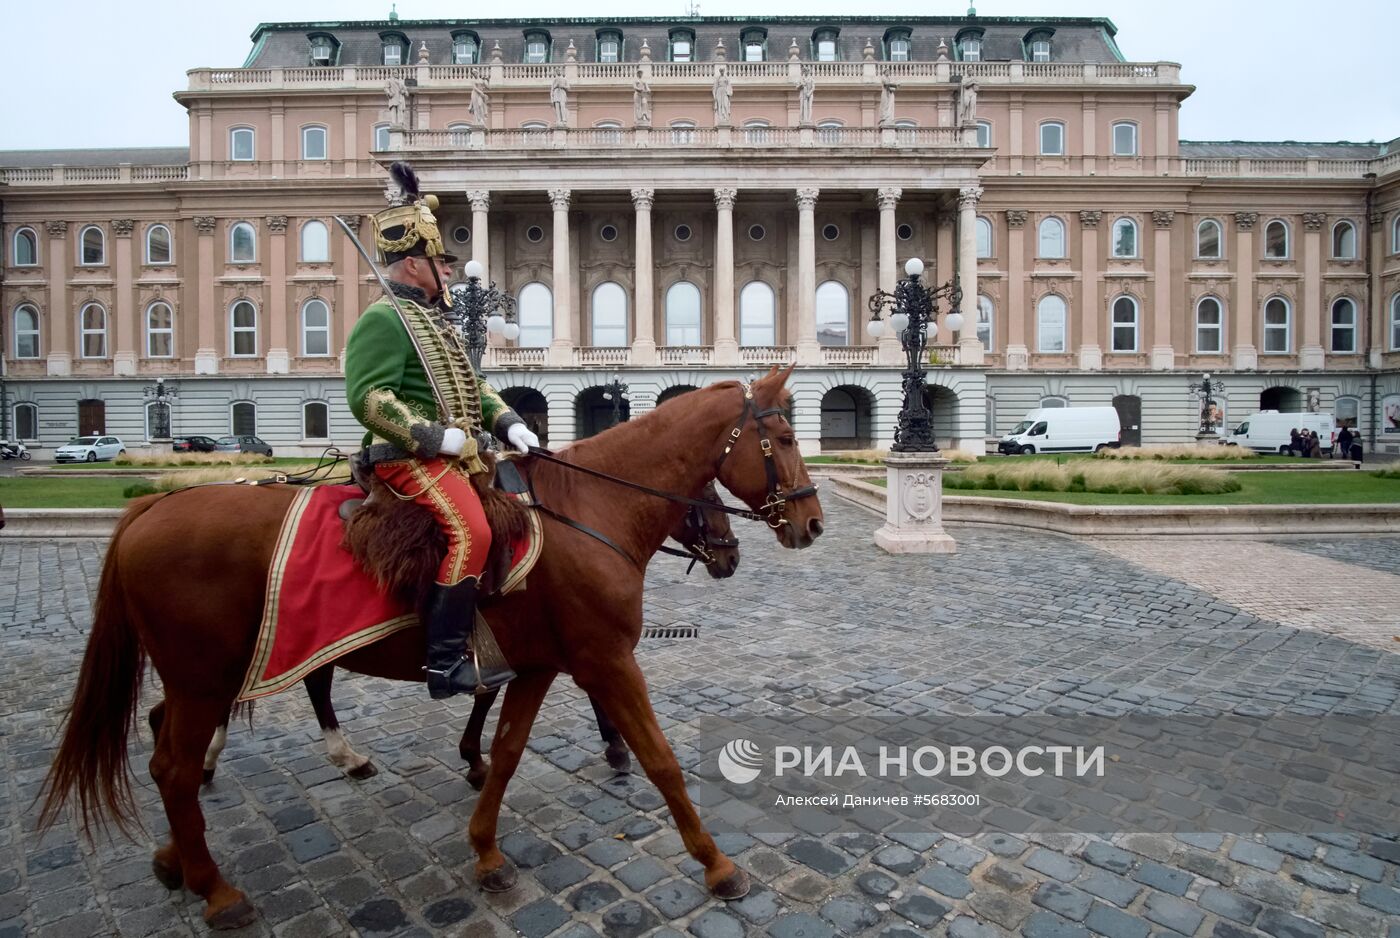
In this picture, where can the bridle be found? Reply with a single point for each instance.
(777, 500)
(699, 546)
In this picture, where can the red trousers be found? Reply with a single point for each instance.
(444, 488)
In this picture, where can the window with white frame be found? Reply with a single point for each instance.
(315, 421)
(313, 143)
(1052, 139)
(243, 418)
(756, 314)
(1395, 323)
(1210, 326)
(984, 237)
(1277, 326)
(682, 45)
(984, 133)
(381, 136)
(609, 132)
(160, 330)
(92, 246)
(1040, 50)
(242, 244)
(26, 331)
(243, 329)
(322, 50)
(536, 48)
(1344, 326)
(1276, 240)
(610, 46)
(1395, 235)
(906, 132)
(26, 421)
(833, 314)
(158, 245)
(315, 328)
(985, 319)
(461, 134)
(92, 330)
(1050, 323)
(683, 314)
(970, 49)
(755, 43)
(1344, 241)
(315, 243)
(240, 144)
(1348, 412)
(158, 420)
(1053, 401)
(26, 248)
(829, 133)
(610, 315)
(1052, 238)
(683, 132)
(990, 427)
(1125, 238)
(535, 313)
(1125, 324)
(1125, 141)
(393, 47)
(897, 45)
(1208, 239)
(464, 49)
(824, 48)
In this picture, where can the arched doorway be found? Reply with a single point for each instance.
(943, 404)
(846, 421)
(593, 413)
(532, 408)
(1129, 407)
(673, 392)
(1281, 399)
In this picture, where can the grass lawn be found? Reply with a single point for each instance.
(281, 461)
(1257, 488)
(63, 493)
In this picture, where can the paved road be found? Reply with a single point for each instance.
(1015, 622)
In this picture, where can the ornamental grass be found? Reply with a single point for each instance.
(1087, 476)
(1177, 451)
(170, 481)
(194, 459)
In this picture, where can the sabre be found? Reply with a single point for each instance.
(412, 337)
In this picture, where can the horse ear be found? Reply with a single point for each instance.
(771, 371)
(786, 373)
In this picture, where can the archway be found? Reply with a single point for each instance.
(673, 392)
(1129, 407)
(593, 413)
(1281, 399)
(532, 408)
(943, 403)
(846, 420)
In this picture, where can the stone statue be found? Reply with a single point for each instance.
(559, 97)
(480, 106)
(967, 103)
(887, 90)
(641, 101)
(806, 91)
(723, 93)
(397, 92)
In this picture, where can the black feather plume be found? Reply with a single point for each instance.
(408, 181)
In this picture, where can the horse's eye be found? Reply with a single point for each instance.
(787, 440)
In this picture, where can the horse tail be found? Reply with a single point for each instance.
(92, 761)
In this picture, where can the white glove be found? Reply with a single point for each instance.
(453, 442)
(521, 437)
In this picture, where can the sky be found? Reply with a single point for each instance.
(101, 74)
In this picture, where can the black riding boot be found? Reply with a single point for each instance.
(449, 619)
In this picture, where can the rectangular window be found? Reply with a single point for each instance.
(26, 422)
(984, 134)
(899, 50)
(680, 50)
(464, 52)
(536, 51)
(1125, 140)
(826, 50)
(315, 426)
(242, 145)
(1208, 326)
(393, 54)
(313, 143)
(608, 49)
(753, 52)
(1276, 328)
(972, 50)
(160, 332)
(1052, 139)
(1040, 51)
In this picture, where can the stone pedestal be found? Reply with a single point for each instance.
(914, 506)
(1207, 439)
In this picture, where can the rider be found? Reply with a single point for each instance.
(410, 382)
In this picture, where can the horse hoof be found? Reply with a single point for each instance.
(733, 886)
(500, 879)
(619, 760)
(171, 877)
(363, 772)
(236, 915)
(208, 776)
(476, 778)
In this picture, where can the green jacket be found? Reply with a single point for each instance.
(386, 382)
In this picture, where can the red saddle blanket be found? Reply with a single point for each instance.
(320, 605)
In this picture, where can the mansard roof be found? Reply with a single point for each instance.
(1282, 150)
(113, 156)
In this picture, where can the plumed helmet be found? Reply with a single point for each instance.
(411, 229)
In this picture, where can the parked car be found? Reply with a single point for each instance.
(89, 449)
(1268, 431)
(243, 444)
(194, 444)
(1063, 430)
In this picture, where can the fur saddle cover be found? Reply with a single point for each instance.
(399, 544)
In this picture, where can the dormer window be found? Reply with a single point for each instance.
(682, 45)
(824, 48)
(969, 45)
(1040, 50)
(1037, 44)
(755, 45)
(323, 49)
(395, 47)
(536, 47)
(466, 48)
(609, 45)
(897, 45)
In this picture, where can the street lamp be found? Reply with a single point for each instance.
(478, 309)
(913, 309)
(161, 394)
(1205, 391)
(614, 391)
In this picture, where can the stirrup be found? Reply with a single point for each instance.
(457, 680)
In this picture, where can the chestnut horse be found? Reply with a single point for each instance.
(184, 578)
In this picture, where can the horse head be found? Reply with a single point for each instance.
(706, 532)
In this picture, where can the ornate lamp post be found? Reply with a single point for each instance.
(1205, 391)
(161, 394)
(913, 309)
(614, 391)
(478, 309)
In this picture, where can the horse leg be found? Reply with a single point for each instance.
(622, 692)
(470, 745)
(616, 754)
(166, 862)
(338, 748)
(188, 726)
(216, 749)
(523, 698)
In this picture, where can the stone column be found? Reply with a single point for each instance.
(1246, 355)
(1310, 353)
(124, 316)
(914, 506)
(206, 355)
(944, 267)
(61, 318)
(1163, 355)
(481, 237)
(726, 347)
(808, 351)
(352, 299)
(888, 349)
(279, 352)
(1090, 352)
(644, 328)
(969, 346)
(561, 350)
(1017, 353)
(1380, 318)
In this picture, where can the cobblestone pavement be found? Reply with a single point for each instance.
(1015, 622)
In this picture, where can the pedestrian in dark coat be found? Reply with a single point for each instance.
(1295, 443)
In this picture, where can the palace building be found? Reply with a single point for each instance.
(673, 202)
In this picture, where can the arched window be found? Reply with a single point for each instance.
(315, 421)
(610, 315)
(313, 143)
(682, 45)
(1125, 239)
(243, 329)
(1125, 324)
(824, 47)
(1344, 241)
(242, 244)
(315, 328)
(1052, 139)
(756, 132)
(906, 132)
(243, 418)
(315, 243)
(26, 332)
(829, 133)
(1125, 142)
(755, 43)
(1277, 326)
(465, 48)
(1052, 238)
(984, 133)
(1395, 235)
(1208, 239)
(1344, 325)
(1348, 412)
(757, 324)
(26, 252)
(897, 44)
(1053, 401)
(240, 144)
(1050, 324)
(833, 314)
(985, 316)
(1395, 323)
(381, 136)
(92, 244)
(537, 45)
(1210, 325)
(984, 237)
(92, 330)
(26, 421)
(158, 245)
(609, 45)
(683, 132)
(683, 314)
(461, 134)
(968, 43)
(160, 331)
(394, 48)
(1276, 239)
(609, 132)
(158, 420)
(535, 309)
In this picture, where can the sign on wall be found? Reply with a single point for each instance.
(1390, 415)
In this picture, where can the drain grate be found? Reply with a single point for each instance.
(671, 631)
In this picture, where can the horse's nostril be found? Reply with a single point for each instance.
(815, 527)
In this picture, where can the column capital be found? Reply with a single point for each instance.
(643, 199)
(888, 197)
(204, 224)
(121, 227)
(1016, 218)
(56, 229)
(725, 198)
(559, 198)
(1090, 217)
(968, 196)
(480, 200)
(1376, 219)
(1313, 221)
(807, 198)
(277, 224)
(1245, 221)
(1162, 218)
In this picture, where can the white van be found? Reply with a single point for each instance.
(1063, 430)
(1268, 431)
